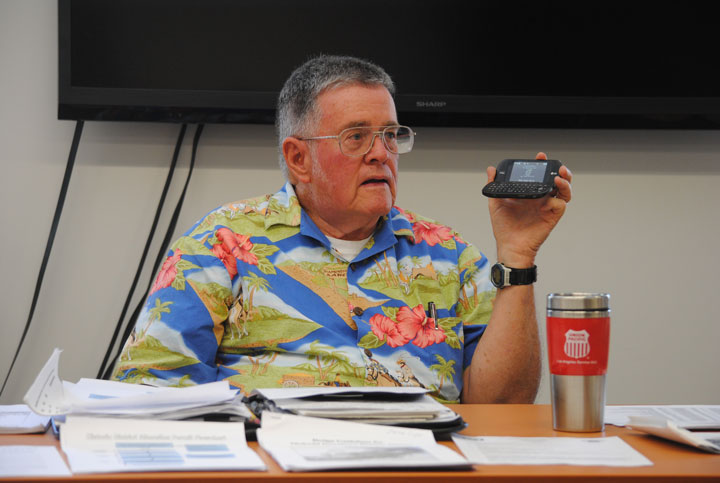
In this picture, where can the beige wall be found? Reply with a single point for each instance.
(643, 226)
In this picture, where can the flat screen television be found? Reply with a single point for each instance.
(607, 64)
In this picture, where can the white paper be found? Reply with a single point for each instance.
(685, 416)
(50, 396)
(299, 443)
(107, 445)
(377, 405)
(707, 441)
(506, 450)
(422, 408)
(46, 395)
(112, 397)
(31, 461)
(300, 392)
(18, 418)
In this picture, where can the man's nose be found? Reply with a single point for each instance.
(378, 151)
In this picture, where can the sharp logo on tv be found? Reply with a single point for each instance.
(430, 104)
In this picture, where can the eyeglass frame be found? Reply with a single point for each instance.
(372, 141)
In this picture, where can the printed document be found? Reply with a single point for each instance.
(507, 450)
(684, 416)
(107, 445)
(31, 461)
(300, 443)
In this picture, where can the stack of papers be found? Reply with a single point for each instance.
(407, 406)
(706, 441)
(51, 396)
(117, 399)
(672, 422)
(684, 416)
(299, 443)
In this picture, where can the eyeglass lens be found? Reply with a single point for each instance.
(358, 140)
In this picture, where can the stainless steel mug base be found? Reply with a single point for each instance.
(578, 403)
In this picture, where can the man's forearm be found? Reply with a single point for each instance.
(506, 364)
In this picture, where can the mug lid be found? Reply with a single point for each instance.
(578, 301)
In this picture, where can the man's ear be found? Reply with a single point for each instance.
(298, 159)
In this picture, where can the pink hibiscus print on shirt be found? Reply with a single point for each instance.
(233, 247)
(431, 233)
(414, 324)
(410, 217)
(384, 328)
(167, 273)
(226, 257)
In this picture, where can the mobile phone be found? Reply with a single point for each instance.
(523, 178)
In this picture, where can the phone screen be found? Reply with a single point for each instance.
(528, 172)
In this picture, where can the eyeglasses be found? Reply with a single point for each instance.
(358, 141)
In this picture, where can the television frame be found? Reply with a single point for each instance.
(258, 107)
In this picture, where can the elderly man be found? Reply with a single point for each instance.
(326, 282)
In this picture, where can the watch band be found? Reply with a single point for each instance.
(523, 276)
(502, 276)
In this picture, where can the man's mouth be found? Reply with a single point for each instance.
(374, 181)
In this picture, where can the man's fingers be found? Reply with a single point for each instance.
(564, 189)
(491, 172)
(566, 173)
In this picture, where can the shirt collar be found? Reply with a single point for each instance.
(284, 208)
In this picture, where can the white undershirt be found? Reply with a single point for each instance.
(347, 249)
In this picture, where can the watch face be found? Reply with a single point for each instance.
(496, 275)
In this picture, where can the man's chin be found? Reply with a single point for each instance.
(381, 211)
(378, 206)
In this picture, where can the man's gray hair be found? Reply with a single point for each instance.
(297, 111)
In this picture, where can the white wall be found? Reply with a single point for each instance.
(643, 225)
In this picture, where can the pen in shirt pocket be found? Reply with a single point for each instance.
(433, 313)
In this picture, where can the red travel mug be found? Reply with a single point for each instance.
(578, 340)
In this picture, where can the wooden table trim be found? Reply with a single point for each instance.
(671, 462)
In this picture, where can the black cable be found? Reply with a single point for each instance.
(162, 253)
(148, 242)
(50, 242)
(173, 221)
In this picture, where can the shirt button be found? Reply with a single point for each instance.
(358, 311)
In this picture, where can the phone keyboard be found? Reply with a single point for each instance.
(516, 188)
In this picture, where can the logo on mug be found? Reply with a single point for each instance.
(577, 344)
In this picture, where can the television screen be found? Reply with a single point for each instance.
(455, 63)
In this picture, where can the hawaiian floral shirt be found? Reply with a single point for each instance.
(254, 294)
